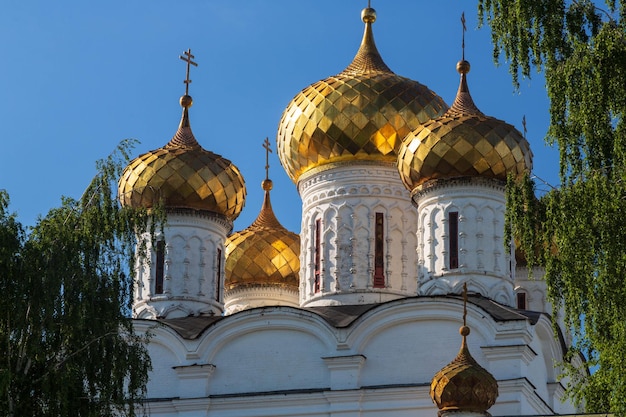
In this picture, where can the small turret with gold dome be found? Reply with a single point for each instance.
(455, 168)
(462, 143)
(463, 385)
(183, 175)
(360, 114)
(263, 260)
(181, 272)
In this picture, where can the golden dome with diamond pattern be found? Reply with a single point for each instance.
(184, 175)
(363, 113)
(464, 385)
(264, 254)
(462, 143)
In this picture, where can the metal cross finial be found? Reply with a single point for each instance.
(464, 29)
(188, 59)
(369, 4)
(465, 304)
(268, 149)
(524, 124)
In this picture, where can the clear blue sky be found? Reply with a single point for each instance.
(79, 76)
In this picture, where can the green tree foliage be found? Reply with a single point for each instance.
(67, 339)
(577, 230)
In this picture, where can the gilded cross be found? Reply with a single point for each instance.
(188, 59)
(464, 304)
(268, 149)
(464, 29)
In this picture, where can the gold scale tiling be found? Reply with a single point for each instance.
(363, 113)
(265, 253)
(464, 385)
(463, 142)
(184, 175)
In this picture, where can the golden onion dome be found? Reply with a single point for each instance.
(464, 385)
(263, 254)
(184, 175)
(462, 143)
(363, 113)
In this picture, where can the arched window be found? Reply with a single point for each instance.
(379, 251)
(453, 241)
(219, 274)
(159, 270)
(318, 254)
(521, 301)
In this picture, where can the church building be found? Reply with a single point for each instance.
(358, 313)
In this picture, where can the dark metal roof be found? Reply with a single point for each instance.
(343, 316)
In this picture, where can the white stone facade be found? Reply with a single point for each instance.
(193, 270)
(483, 261)
(346, 199)
(244, 298)
(283, 361)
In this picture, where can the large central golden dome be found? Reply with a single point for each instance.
(363, 113)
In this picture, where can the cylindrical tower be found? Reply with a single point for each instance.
(338, 141)
(182, 272)
(456, 167)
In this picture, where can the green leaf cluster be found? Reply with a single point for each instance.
(69, 348)
(576, 231)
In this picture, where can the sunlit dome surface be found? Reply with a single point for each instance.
(263, 254)
(463, 143)
(362, 113)
(184, 175)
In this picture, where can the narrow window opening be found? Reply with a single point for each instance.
(379, 253)
(453, 250)
(160, 267)
(318, 254)
(521, 300)
(219, 274)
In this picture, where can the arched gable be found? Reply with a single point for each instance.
(282, 348)
(421, 334)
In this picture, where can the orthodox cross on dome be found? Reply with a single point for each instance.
(465, 304)
(188, 59)
(524, 125)
(463, 38)
(268, 150)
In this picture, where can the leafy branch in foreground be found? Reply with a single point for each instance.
(67, 293)
(576, 231)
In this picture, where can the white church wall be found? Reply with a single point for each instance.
(193, 274)
(273, 351)
(291, 362)
(483, 262)
(346, 207)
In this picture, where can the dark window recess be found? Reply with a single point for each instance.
(318, 254)
(453, 250)
(379, 251)
(521, 300)
(219, 274)
(160, 267)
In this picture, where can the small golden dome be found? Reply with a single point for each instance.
(363, 113)
(462, 143)
(264, 254)
(464, 385)
(183, 175)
